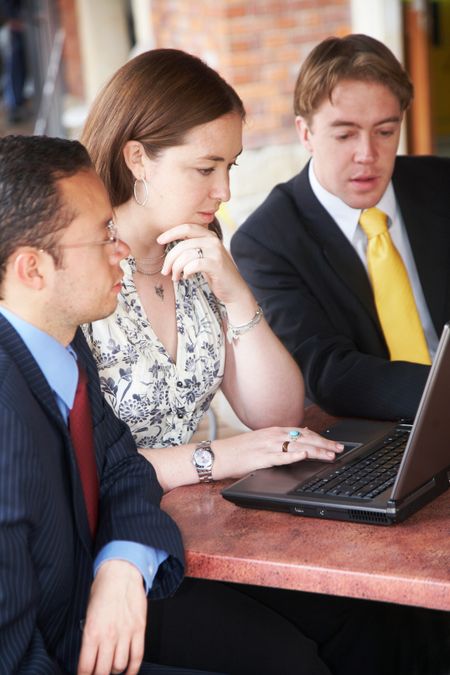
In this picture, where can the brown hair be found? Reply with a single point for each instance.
(156, 98)
(354, 57)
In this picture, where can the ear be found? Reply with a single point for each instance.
(304, 132)
(135, 156)
(29, 268)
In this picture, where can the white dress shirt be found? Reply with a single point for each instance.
(347, 219)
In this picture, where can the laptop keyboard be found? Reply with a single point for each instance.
(365, 477)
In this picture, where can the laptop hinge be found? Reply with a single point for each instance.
(392, 505)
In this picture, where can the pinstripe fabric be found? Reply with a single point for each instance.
(46, 552)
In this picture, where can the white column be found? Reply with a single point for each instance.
(143, 26)
(381, 19)
(104, 41)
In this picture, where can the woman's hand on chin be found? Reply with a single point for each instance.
(200, 250)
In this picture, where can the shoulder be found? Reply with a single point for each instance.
(425, 173)
(280, 197)
(275, 217)
(21, 418)
(12, 382)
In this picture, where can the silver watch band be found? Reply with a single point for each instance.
(204, 473)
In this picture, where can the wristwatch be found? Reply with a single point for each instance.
(203, 459)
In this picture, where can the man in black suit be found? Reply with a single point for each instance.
(80, 545)
(303, 251)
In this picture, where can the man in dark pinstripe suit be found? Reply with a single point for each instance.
(69, 602)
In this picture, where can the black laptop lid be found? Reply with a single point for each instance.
(428, 452)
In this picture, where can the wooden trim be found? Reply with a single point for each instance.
(420, 133)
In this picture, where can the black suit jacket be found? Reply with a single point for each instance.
(316, 294)
(46, 550)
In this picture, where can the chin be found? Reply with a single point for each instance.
(106, 310)
(362, 201)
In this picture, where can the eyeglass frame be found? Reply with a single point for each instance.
(112, 239)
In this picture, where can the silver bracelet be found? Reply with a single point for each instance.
(234, 332)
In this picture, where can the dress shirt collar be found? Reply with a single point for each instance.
(58, 364)
(345, 216)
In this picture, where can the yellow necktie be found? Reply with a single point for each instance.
(394, 298)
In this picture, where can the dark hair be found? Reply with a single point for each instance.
(354, 57)
(156, 98)
(31, 209)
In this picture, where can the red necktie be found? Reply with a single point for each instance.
(81, 432)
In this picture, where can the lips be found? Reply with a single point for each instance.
(118, 284)
(364, 177)
(365, 181)
(207, 215)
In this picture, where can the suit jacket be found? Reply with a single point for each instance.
(316, 294)
(46, 550)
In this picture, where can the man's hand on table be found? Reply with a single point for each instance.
(114, 630)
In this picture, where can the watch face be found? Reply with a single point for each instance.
(203, 458)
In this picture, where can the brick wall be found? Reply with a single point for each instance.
(257, 45)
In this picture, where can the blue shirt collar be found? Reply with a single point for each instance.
(58, 364)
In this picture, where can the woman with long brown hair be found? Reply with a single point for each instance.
(164, 134)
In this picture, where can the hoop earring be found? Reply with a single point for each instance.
(144, 182)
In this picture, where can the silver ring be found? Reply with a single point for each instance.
(199, 253)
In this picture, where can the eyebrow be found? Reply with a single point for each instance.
(215, 158)
(344, 123)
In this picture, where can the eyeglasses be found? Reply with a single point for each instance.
(113, 239)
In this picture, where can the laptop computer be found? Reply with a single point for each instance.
(386, 472)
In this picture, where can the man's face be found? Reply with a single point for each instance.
(86, 284)
(354, 139)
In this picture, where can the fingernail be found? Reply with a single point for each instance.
(330, 455)
(340, 446)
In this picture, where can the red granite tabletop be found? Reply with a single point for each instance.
(408, 563)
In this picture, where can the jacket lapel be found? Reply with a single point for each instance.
(341, 256)
(32, 374)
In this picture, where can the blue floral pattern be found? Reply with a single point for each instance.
(161, 401)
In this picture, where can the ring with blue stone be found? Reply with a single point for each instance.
(294, 434)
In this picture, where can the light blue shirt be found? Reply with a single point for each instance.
(59, 367)
(347, 220)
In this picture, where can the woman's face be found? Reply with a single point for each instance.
(188, 182)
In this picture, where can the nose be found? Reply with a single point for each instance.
(220, 190)
(366, 150)
(121, 251)
(123, 248)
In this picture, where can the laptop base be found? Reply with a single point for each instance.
(394, 513)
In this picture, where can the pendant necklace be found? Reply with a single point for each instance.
(158, 288)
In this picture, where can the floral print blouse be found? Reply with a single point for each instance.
(161, 401)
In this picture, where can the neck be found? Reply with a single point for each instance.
(39, 319)
(135, 228)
